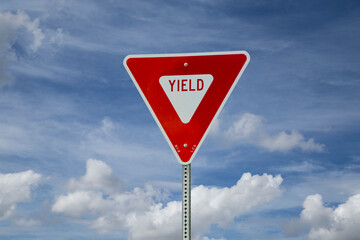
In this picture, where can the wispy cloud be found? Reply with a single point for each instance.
(21, 38)
(14, 22)
(30, 130)
(206, 238)
(18, 35)
(248, 128)
(55, 126)
(304, 166)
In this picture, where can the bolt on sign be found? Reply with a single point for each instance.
(186, 92)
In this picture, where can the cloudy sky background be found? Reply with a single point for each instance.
(82, 158)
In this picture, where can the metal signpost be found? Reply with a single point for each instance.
(186, 201)
(185, 93)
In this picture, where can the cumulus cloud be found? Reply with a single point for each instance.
(341, 222)
(145, 214)
(249, 128)
(98, 176)
(15, 188)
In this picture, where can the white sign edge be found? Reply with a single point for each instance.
(185, 55)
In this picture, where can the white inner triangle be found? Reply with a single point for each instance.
(185, 92)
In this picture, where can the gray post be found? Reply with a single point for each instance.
(186, 202)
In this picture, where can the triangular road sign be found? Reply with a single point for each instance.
(186, 92)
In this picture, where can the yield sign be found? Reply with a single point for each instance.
(186, 92)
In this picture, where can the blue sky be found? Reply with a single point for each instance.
(82, 158)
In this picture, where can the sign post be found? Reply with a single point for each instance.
(186, 202)
(185, 93)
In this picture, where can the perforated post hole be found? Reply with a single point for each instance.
(186, 202)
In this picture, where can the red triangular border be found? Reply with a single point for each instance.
(146, 70)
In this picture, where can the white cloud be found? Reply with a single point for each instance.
(104, 140)
(300, 167)
(249, 128)
(26, 222)
(142, 213)
(21, 36)
(245, 127)
(15, 188)
(215, 128)
(327, 223)
(221, 205)
(98, 177)
(22, 20)
(17, 29)
(80, 202)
